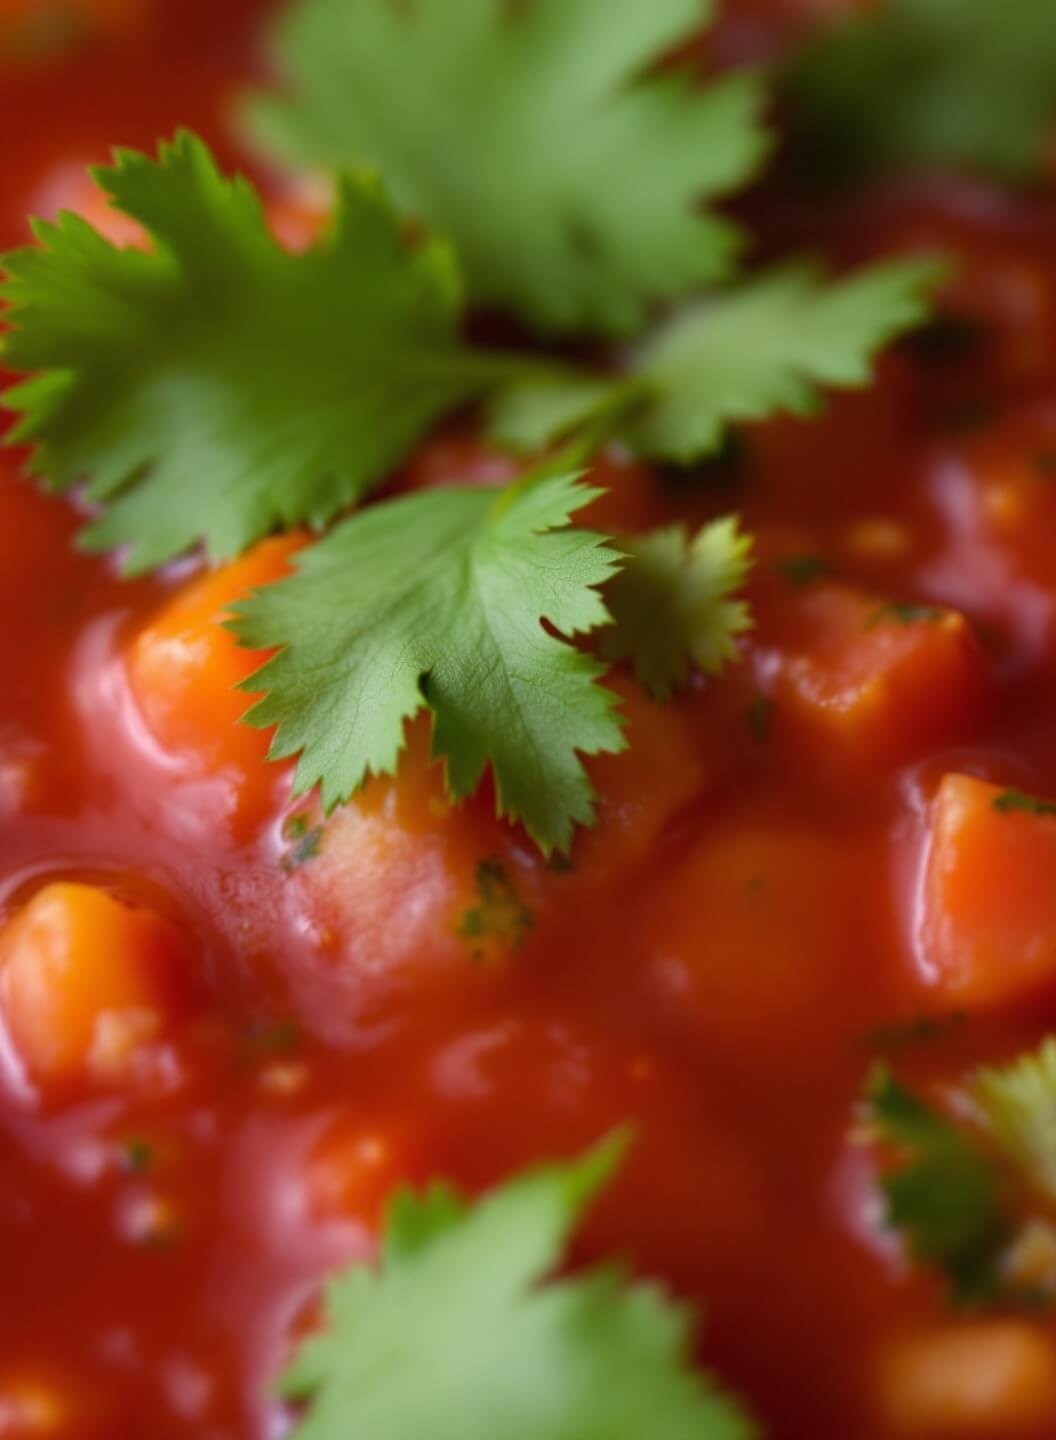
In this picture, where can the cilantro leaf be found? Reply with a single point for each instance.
(961, 84)
(457, 1337)
(768, 346)
(671, 603)
(1019, 1106)
(943, 1194)
(743, 354)
(219, 387)
(569, 180)
(437, 600)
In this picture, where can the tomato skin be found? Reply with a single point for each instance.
(750, 936)
(876, 681)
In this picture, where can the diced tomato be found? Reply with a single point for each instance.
(1012, 501)
(85, 981)
(184, 666)
(401, 886)
(643, 787)
(875, 681)
(751, 936)
(988, 916)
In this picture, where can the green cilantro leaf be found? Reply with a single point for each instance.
(461, 1334)
(943, 1194)
(437, 600)
(961, 84)
(768, 346)
(569, 179)
(1019, 1106)
(671, 603)
(741, 355)
(218, 387)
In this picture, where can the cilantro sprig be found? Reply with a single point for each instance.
(437, 600)
(461, 1333)
(217, 387)
(949, 84)
(570, 174)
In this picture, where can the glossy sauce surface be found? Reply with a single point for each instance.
(743, 932)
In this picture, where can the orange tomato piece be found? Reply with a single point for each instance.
(988, 920)
(354, 1169)
(751, 937)
(402, 887)
(184, 667)
(643, 787)
(877, 681)
(85, 980)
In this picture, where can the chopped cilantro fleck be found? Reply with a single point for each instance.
(968, 415)
(1012, 800)
(802, 570)
(271, 1037)
(920, 1030)
(945, 339)
(904, 612)
(758, 716)
(499, 919)
(136, 1155)
(307, 841)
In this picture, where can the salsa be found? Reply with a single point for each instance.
(234, 1025)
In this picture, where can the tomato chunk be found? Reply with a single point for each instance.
(643, 787)
(880, 681)
(988, 922)
(85, 980)
(184, 666)
(399, 886)
(752, 933)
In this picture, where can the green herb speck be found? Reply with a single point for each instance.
(1012, 800)
(903, 612)
(135, 1155)
(501, 917)
(803, 570)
